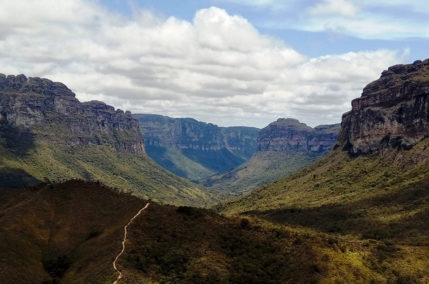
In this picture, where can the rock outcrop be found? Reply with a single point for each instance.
(188, 133)
(53, 113)
(393, 111)
(290, 135)
(195, 149)
(284, 147)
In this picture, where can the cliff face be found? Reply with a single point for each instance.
(53, 113)
(393, 111)
(46, 133)
(290, 135)
(194, 149)
(284, 147)
(188, 133)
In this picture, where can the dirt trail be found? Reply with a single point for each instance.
(123, 243)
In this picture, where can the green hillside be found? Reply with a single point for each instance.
(46, 133)
(264, 167)
(134, 173)
(71, 232)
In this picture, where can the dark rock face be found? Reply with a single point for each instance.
(188, 133)
(196, 145)
(393, 111)
(290, 135)
(51, 111)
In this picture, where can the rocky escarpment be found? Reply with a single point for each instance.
(393, 111)
(188, 133)
(195, 149)
(51, 111)
(290, 135)
(284, 147)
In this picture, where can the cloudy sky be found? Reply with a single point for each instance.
(229, 62)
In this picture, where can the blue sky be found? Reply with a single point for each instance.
(228, 62)
(283, 19)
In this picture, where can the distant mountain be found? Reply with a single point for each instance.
(284, 147)
(46, 133)
(194, 149)
(374, 185)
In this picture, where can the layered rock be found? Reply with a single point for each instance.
(51, 111)
(393, 111)
(290, 135)
(195, 149)
(284, 147)
(188, 133)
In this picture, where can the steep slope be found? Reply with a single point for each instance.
(194, 149)
(375, 184)
(71, 232)
(46, 133)
(284, 147)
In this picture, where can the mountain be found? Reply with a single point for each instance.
(374, 185)
(71, 232)
(194, 149)
(46, 133)
(284, 147)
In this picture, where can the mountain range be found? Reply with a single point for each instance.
(193, 149)
(233, 160)
(356, 215)
(284, 147)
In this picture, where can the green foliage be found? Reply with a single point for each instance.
(128, 172)
(264, 167)
(378, 201)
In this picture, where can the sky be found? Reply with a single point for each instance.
(228, 62)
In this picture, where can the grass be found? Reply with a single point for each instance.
(378, 202)
(134, 173)
(263, 168)
(70, 233)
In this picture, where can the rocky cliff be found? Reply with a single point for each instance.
(46, 133)
(284, 146)
(53, 113)
(195, 149)
(287, 134)
(393, 111)
(188, 133)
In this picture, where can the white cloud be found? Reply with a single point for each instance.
(335, 7)
(217, 68)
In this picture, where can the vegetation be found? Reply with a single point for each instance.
(134, 173)
(380, 202)
(263, 168)
(70, 233)
(193, 149)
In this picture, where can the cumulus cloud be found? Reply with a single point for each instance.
(217, 68)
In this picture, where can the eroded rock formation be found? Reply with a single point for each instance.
(51, 111)
(393, 111)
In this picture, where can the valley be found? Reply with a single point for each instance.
(84, 203)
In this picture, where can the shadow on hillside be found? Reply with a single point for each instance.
(169, 241)
(16, 140)
(388, 216)
(11, 178)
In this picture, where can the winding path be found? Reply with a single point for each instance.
(123, 243)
